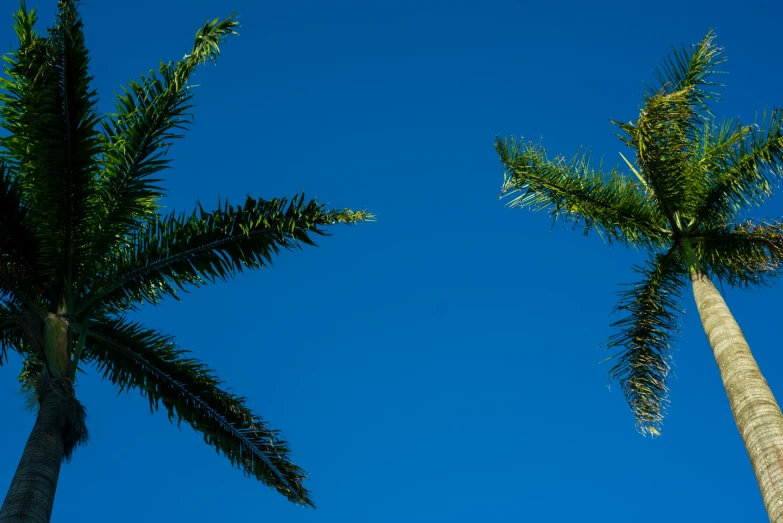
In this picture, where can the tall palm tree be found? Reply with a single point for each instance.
(693, 178)
(83, 241)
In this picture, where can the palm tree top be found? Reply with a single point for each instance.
(683, 198)
(83, 239)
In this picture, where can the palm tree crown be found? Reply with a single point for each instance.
(692, 180)
(82, 238)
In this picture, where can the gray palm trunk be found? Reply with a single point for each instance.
(755, 410)
(30, 498)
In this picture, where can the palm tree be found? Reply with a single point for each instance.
(83, 241)
(693, 178)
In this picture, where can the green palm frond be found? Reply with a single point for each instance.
(688, 70)
(179, 250)
(136, 139)
(79, 132)
(572, 190)
(17, 241)
(9, 335)
(744, 166)
(644, 339)
(661, 140)
(131, 356)
(669, 124)
(21, 88)
(49, 109)
(746, 254)
(32, 367)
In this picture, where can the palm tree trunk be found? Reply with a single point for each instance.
(755, 410)
(31, 496)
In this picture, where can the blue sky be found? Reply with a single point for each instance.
(441, 364)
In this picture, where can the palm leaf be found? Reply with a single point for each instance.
(9, 334)
(176, 250)
(669, 124)
(50, 111)
(688, 70)
(574, 191)
(17, 241)
(644, 339)
(19, 267)
(22, 88)
(744, 166)
(744, 255)
(131, 356)
(79, 131)
(661, 140)
(136, 139)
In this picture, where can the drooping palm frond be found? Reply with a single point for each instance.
(131, 356)
(574, 191)
(174, 251)
(744, 167)
(747, 254)
(136, 138)
(644, 340)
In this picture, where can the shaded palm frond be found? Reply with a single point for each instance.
(650, 321)
(131, 356)
(572, 190)
(49, 109)
(136, 138)
(743, 172)
(9, 333)
(79, 131)
(17, 285)
(17, 240)
(180, 250)
(746, 254)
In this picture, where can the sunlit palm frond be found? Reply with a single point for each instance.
(573, 190)
(178, 250)
(644, 341)
(664, 149)
(136, 138)
(669, 124)
(131, 356)
(688, 70)
(745, 171)
(747, 254)
(20, 88)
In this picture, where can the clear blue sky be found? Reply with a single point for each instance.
(441, 364)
